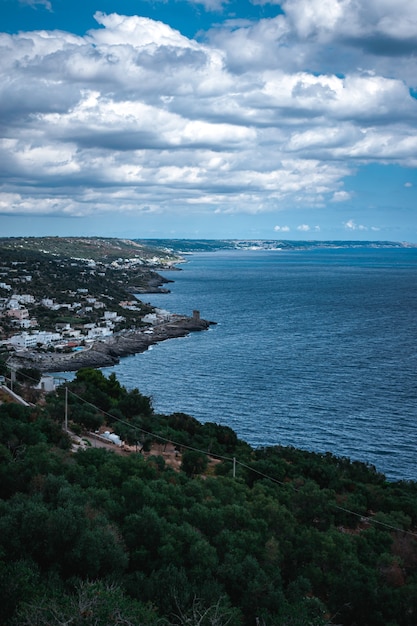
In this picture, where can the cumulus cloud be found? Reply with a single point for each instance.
(351, 225)
(282, 229)
(135, 117)
(341, 196)
(376, 19)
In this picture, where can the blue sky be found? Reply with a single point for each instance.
(250, 119)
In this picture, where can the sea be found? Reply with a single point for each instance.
(315, 349)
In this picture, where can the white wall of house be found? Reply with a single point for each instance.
(26, 340)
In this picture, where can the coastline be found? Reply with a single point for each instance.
(109, 351)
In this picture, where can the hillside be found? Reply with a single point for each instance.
(226, 535)
(53, 283)
(96, 248)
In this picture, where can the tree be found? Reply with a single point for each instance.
(219, 613)
(28, 375)
(194, 462)
(134, 403)
(19, 581)
(94, 603)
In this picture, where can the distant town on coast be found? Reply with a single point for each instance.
(67, 303)
(209, 245)
(70, 302)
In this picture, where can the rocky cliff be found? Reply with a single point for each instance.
(108, 352)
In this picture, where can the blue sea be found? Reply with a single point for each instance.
(315, 349)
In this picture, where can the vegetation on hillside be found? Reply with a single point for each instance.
(54, 274)
(95, 248)
(236, 536)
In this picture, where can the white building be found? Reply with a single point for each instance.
(98, 331)
(113, 438)
(26, 340)
(46, 383)
(25, 298)
(158, 317)
(14, 303)
(111, 316)
(28, 323)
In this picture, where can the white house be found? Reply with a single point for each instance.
(46, 383)
(14, 303)
(98, 331)
(25, 298)
(158, 317)
(28, 323)
(111, 316)
(26, 340)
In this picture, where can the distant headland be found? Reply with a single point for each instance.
(72, 302)
(187, 246)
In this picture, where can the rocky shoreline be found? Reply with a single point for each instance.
(107, 352)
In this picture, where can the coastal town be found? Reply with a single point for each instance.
(61, 312)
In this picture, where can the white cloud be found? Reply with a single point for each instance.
(135, 115)
(351, 225)
(341, 196)
(35, 3)
(265, 2)
(391, 18)
(304, 228)
(210, 5)
(282, 229)
(313, 17)
(331, 36)
(136, 31)
(408, 184)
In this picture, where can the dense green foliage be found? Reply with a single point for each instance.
(59, 278)
(97, 248)
(280, 537)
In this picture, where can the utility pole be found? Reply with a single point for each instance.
(66, 409)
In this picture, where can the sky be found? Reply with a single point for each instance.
(249, 119)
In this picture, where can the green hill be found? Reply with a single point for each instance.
(96, 248)
(189, 525)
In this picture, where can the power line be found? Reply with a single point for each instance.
(146, 432)
(235, 462)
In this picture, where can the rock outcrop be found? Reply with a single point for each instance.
(107, 352)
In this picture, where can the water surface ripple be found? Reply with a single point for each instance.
(314, 349)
